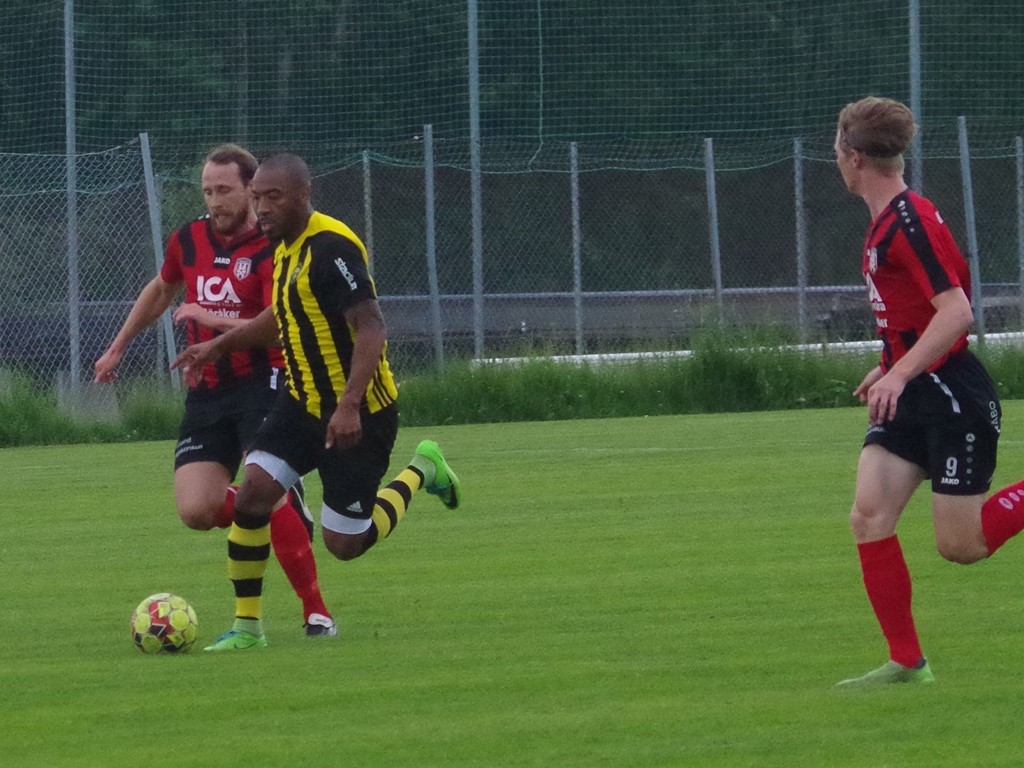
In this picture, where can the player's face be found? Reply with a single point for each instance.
(227, 198)
(282, 206)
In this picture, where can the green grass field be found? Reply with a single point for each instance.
(670, 591)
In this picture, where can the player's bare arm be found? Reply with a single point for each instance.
(153, 301)
(261, 331)
(344, 429)
(953, 316)
(196, 313)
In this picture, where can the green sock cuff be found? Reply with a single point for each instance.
(425, 467)
(249, 626)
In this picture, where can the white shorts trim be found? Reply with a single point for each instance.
(340, 523)
(275, 466)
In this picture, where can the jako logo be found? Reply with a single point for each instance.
(215, 290)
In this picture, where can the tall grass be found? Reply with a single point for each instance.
(724, 374)
(717, 378)
(30, 415)
(151, 411)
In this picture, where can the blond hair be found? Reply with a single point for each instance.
(880, 129)
(226, 154)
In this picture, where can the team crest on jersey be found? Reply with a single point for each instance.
(242, 268)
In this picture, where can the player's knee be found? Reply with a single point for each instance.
(198, 517)
(856, 519)
(256, 501)
(961, 552)
(344, 546)
(341, 552)
(345, 551)
(865, 521)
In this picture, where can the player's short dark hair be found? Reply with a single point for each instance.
(225, 154)
(293, 165)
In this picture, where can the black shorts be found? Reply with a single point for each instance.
(350, 477)
(219, 427)
(948, 423)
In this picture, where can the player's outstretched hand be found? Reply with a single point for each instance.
(861, 392)
(194, 312)
(192, 359)
(883, 396)
(105, 369)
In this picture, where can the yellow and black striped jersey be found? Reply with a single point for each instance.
(316, 279)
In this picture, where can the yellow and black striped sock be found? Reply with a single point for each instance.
(393, 501)
(248, 552)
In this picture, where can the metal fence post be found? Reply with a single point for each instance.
(716, 249)
(577, 246)
(972, 229)
(914, 56)
(367, 209)
(1018, 145)
(156, 235)
(801, 237)
(71, 171)
(435, 293)
(472, 18)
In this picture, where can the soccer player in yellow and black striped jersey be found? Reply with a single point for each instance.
(337, 413)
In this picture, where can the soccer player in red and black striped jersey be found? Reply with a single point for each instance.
(225, 264)
(933, 411)
(338, 413)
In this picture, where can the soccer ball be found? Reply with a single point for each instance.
(164, 623)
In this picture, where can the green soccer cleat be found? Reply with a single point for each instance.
(445, 483)
(889, 673)
(234, 640)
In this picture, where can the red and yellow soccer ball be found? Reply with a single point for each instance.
(164, 623)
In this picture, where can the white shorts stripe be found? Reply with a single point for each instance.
(947, 392)
(339, 523)
(275, 466)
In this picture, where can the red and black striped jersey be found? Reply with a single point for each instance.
(910, 257)
(231, 279)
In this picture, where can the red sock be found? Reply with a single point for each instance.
(226, 513)
(1002, 516)
(291, 545)
(887, 581)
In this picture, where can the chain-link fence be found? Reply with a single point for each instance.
(606, 221)
(69, 276)
(597, 261)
